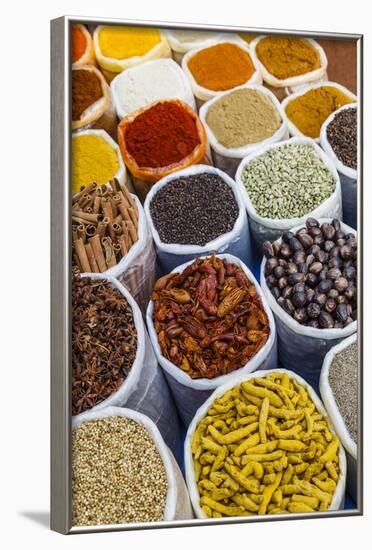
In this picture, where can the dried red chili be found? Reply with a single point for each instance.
(209, 318)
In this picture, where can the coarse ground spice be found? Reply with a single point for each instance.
(288, 181)
(286, 57)
(221, 67)
(162, 135)
(309, 110)
(343, 379)
(78, 43)
(194, 209)
(86, 90)
(243, 117)
(118, 475)
(342, 137)
(104, 342)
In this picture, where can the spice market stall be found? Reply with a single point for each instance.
(214, 277)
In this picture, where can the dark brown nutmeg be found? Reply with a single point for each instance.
(287, 292)
(341, 312)
(310, 293)
(282, 282)
(325, 320)
(311, 280)
(299, 299)
(313, 310)
(295, 278)
(287, 236)
(328, 231)
(305, 239)
(330, 305)
(268, 249)
(285, 251)
(300, 315)
(334, 273)
(320, 298)
(271, 281)
(316, 267)
(279, 271)
(347, 251)
(325, 285)
(312, 222)
(336, 224)
(288, 307)
(341, 284)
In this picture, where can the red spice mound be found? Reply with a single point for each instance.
(162, 135)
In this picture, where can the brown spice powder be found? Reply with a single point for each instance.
(86, 90)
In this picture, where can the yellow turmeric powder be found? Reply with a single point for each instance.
(125, 42)
(221, 67)
(309, 110)
(93, 159)
(265, 467)
(286, 57)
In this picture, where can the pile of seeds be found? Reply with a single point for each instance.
(342, 136)
(209, 318)
(104, 342)
(313, 274)
(118, 475)
(343, 379)
(194, 209)
(263, 448)
(289, 181)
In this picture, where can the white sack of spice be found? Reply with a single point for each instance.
(144, 389)
(235, 241)
(338, 386)
(155, 489)
(284, 183)
(264, 119)
(339, 494)
(190, 393)
(302, 348)
(152, 81)
(347, 168)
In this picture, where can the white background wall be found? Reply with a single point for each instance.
(24, 297)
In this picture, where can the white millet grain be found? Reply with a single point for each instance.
(118, 475)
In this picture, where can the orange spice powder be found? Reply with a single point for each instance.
(221, 67)
(78, 43)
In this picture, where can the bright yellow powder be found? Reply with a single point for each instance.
(93, 159)
(126, 42)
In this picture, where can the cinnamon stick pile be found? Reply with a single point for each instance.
(104, 226)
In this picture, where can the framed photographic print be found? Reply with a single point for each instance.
(206, 289)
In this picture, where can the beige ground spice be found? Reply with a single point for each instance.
(243, 117)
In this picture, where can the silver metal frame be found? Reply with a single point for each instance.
(61, 269)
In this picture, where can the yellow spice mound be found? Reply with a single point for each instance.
(126, 42)
(93, 159)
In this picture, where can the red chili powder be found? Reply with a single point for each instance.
(78, 43)
(162, 135)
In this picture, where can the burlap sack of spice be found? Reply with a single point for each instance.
(143, 178)
(299, 80)
(228, 159)
(100, 114)
(136, 271)
(348, 176)
(203, 94)
(301, 348)
(334, 414)
(269, 229)
(293, 130)
(339, 494)
(177, 506)
(189, 394)
(145, 389)
(237, 242)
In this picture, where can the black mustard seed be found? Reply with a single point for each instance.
(342, 136)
